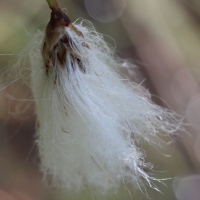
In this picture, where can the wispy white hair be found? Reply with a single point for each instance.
(91, 122)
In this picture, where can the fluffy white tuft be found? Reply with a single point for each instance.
(91, 121)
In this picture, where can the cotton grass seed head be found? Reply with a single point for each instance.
(91, 122)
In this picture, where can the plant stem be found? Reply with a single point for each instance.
(53, 4)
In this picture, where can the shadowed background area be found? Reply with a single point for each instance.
(161, 37)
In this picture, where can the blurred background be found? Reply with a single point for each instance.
(162, 37)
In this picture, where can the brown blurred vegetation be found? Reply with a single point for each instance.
(161, 37)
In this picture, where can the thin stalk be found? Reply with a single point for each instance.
(53, 4)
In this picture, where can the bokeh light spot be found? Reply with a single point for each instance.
(105, 10)
(197, 148)
(184, 86)
(187, 188)
(193, 112)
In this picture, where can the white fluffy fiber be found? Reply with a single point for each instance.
(91, 125)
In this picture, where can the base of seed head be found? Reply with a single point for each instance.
(56, 42)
